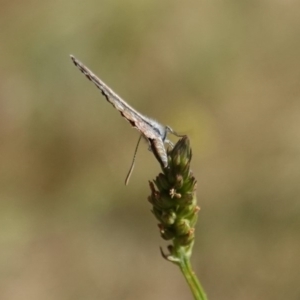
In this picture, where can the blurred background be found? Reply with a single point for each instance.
(224, 72)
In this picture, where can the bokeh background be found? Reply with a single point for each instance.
(224, 72)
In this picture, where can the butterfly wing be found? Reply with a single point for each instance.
(130, 114)
(159, 151)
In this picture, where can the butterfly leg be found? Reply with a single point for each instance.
(169, 143)
(169, 129)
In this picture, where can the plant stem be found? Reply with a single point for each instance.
(185, 266)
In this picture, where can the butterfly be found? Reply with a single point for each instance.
(154, 132)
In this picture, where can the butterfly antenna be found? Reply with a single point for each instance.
(133, 161)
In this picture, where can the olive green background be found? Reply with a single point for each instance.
(224, 72)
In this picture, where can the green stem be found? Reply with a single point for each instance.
(191, 278)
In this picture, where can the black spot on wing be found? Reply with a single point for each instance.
(104, 93)
(130, 121)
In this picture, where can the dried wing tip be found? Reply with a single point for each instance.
(73, 59)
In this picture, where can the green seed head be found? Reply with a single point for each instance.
(173, 197)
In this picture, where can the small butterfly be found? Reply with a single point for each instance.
(154, 132)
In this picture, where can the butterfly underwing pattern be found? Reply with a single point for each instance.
(154, 132)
